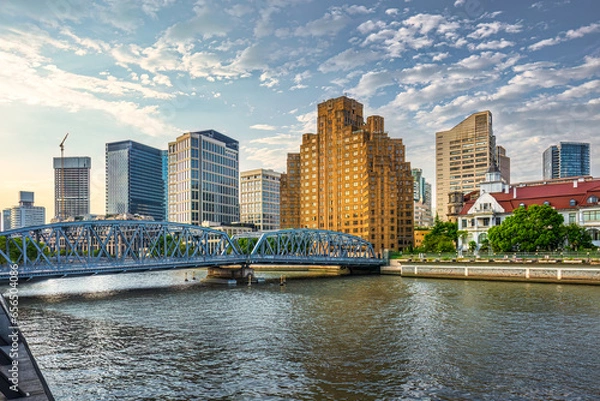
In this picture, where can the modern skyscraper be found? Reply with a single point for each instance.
(259, 194)
(26, 214)
(290, 193)
(567, 159)
(204, 178)
(134, 180)
(422, 199)
(71, 186)
(353, 178)
(463, 156)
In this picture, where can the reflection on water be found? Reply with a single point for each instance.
(154, 336)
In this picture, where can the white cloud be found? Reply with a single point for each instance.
(492, 45)
(371, 82)
(347, 60)
(491, 28)
(569, 35)
(330, 24)
(264, 127)
(440, 56)
(279, 139)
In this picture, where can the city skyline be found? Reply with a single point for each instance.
(114, 71)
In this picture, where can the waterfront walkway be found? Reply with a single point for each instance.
(572, 271)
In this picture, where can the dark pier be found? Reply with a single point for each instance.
(20, 376)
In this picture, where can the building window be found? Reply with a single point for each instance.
(571, 218)
(572, 202)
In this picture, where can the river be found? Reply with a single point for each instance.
(154, 336)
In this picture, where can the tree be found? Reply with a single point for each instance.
(13, 249)
(472, 246)
(442, 237)
(577, 238)
(536, 228)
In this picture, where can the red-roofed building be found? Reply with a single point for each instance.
(576, 199)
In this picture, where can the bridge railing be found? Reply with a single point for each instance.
(305, 245)
(112, 242)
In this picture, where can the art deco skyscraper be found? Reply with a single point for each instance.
(71, 186)
(290, 193)
(353, 178)
(463, 155)
(204, 178)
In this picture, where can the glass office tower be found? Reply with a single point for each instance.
(204, 178)
(567, 159)
(134, 180)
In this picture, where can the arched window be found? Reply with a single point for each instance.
(521, 204)
(594, 233)
(547, 203)
(592, 199)
(572, 202)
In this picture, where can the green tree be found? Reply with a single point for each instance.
(443, 237)
(484, 245)
(536, 228)
(246, 245)
(577, 238)
(472, 246)
(14, 250)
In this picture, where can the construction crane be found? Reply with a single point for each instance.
(63, 210)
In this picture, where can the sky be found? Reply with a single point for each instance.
(150, 70)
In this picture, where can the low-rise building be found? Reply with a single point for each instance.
(577, 200)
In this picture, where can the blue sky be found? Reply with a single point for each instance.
(149, 70)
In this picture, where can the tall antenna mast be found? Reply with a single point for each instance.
(63, 210)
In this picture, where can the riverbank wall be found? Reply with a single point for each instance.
(544, 271)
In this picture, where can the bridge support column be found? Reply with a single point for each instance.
(238, 273)
(361, 270)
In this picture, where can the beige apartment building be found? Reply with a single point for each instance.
(463, 156)
(350, 177)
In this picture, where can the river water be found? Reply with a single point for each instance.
(154, 336)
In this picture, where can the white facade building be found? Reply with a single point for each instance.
(204, 178)
(259, 198)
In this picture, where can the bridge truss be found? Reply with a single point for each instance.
(298, 246)
(107, 245)
(111, 246)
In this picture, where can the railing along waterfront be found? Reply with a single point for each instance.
(508, 257)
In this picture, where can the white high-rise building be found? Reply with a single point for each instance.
(259, 194)
(25, 214)
(204, 178)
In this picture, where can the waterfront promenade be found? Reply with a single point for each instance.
(548, 270)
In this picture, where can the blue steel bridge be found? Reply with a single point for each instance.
(120, 246)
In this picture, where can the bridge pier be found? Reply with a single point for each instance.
(239, 274)
(361, 270)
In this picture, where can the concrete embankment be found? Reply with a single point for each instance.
(543, 272)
